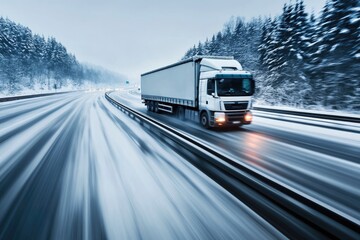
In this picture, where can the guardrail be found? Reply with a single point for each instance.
(309, 114)
(7, 99)
(293, 213)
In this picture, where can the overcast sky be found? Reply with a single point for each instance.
(134, 36)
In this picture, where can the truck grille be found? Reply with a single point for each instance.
(236, 105)
(236, 116)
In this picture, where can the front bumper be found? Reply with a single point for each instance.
(234, 118)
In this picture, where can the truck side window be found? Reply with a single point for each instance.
(246, 85)
(210, 86)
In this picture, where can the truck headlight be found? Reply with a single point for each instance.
(248, 117)
(219, 117)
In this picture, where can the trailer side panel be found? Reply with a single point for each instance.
(175, 84)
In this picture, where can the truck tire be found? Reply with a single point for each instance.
(156, 107)
(148, 106)
(204, 120)
(151, 103)
(180, 112)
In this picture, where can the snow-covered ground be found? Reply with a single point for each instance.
(37, 89)
(40, 89)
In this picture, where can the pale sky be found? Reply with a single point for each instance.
(134, 36)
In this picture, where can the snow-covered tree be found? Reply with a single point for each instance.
(335, 64)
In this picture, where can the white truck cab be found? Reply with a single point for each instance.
(225, 91)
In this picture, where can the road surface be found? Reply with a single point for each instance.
(73, 166)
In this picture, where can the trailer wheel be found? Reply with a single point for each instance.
(151, 103)
(148, 105)
(204, 120)
(156, 107)
(180, 112)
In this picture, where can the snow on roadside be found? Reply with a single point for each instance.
(314, 109)
(40, 89)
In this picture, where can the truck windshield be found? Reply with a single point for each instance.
(235, 87)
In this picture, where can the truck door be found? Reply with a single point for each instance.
(207, 88)
(202, 93)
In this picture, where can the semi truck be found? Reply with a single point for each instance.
(214, 90)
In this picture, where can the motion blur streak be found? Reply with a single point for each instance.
(74, 167)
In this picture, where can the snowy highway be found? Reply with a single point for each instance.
(73, 166)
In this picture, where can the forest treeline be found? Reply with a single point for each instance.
(28, 59)
(298, 59)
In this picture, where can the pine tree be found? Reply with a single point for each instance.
(217, 44)
(343, 52)
(252, 42)
(199, 49)
(212, 46)
(38, 59)
(335, 66)
(206, 47)
(239, 40)
(310, 53)
(190, 53)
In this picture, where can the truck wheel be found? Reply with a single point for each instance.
(156, 107)
(151, 103)
(148, 106)
(204, 120)
(180, 113)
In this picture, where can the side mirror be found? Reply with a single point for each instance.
(213, 94)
